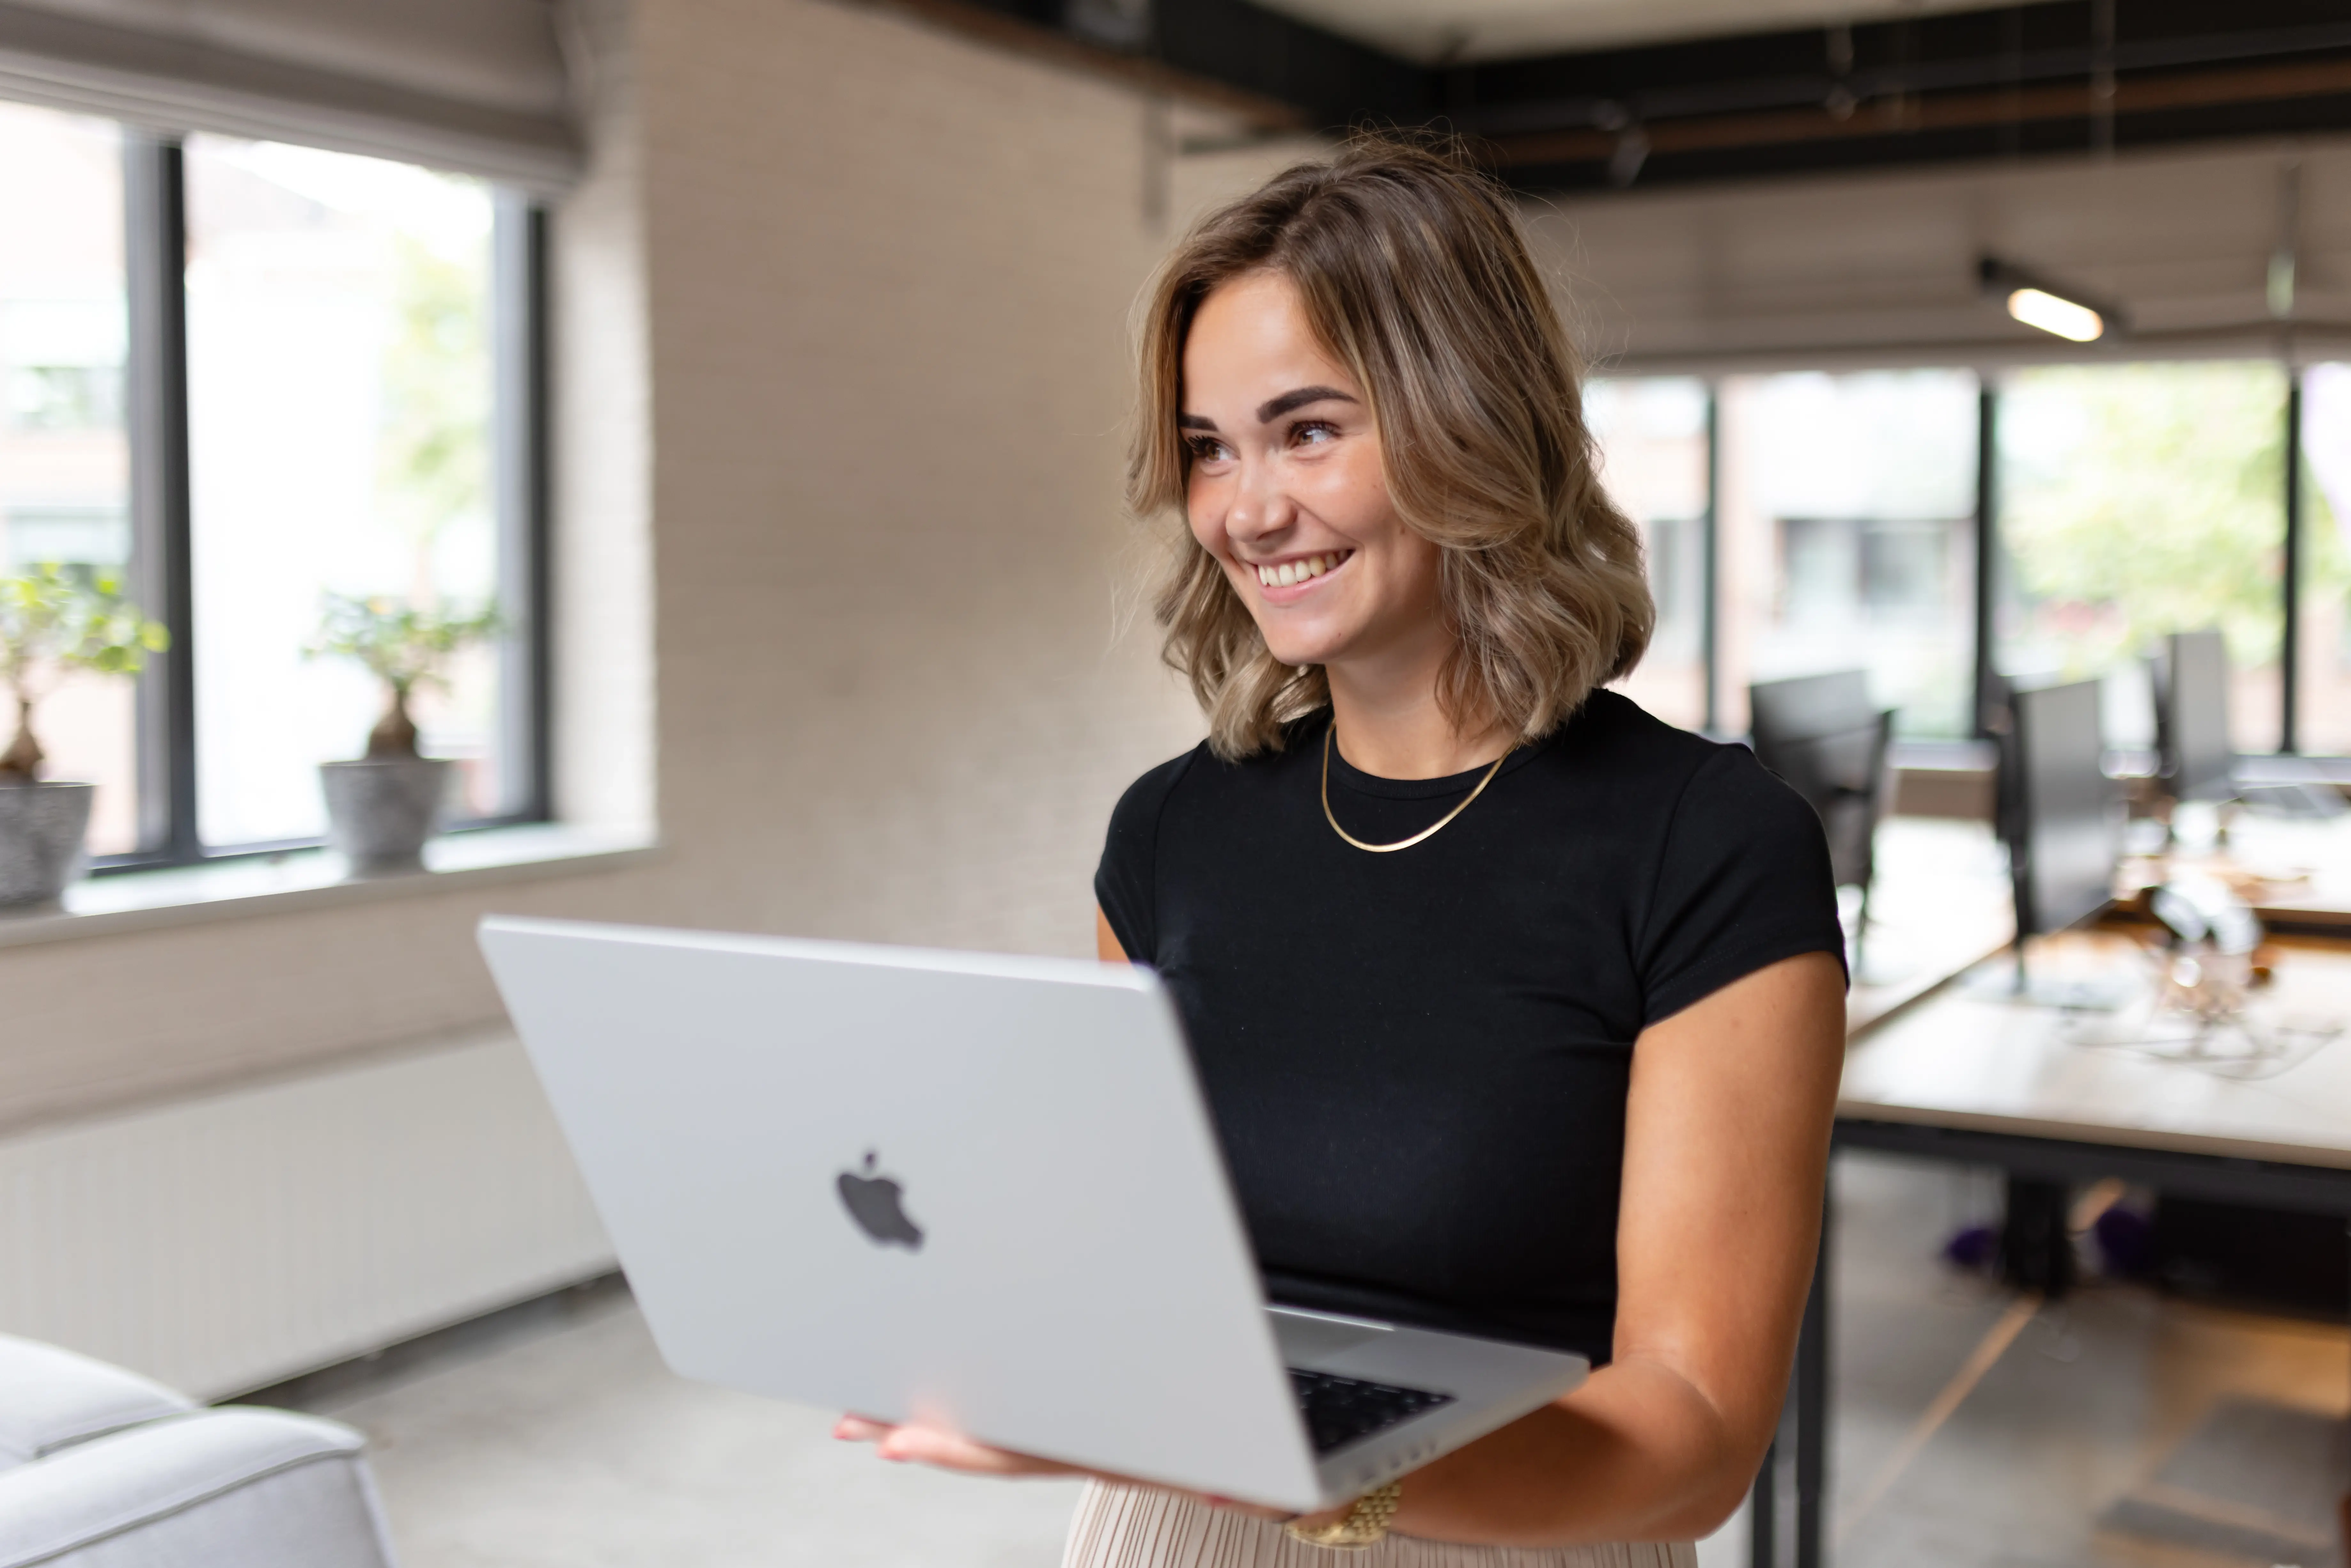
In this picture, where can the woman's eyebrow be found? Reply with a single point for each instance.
(1268, 412)
(1195, 422)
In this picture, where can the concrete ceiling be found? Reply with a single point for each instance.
(1445, 31)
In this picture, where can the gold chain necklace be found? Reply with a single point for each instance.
(1425, 833)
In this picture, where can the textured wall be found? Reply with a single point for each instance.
(889, 275)
(837, 577)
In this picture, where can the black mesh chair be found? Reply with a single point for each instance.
(1820, 733)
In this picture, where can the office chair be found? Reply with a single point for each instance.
(1822, 737)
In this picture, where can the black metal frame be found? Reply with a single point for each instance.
(1987, 585)
(2290, 629)
(1710, 561)
(2268, 1184)
(155, 247)
(155, 240)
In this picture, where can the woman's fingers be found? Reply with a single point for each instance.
(912, 1443)
(952, 1451)
(916, 1444)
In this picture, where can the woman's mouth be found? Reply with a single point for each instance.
(1289, 573)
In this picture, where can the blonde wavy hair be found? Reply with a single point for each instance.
(1414, 275)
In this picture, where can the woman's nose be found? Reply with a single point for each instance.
(1260, 509)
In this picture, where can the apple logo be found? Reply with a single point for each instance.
(876, 1203)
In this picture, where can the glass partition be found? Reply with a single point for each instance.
(1848, 538)
(1652, 443)
(2139, 499)
(2324, 722)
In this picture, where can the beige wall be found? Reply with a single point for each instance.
(837, 577)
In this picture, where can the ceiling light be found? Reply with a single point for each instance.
(2074, 314)
(2054, 313)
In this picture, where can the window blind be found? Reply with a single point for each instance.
(474, 85)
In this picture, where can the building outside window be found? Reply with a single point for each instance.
(65, 460)
(1653, 436)
(356, 373)
(2140, 499)
(1848, 538)
(2324, 722)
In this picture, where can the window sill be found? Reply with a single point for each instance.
(316, 879)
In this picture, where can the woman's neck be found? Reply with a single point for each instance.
(1392, 727)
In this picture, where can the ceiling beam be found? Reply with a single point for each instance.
(2252, 85)
(1943, 88)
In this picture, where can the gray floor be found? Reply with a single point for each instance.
(554, 1437)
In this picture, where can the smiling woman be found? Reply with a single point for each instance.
(1517, 1011)
(1499, 503)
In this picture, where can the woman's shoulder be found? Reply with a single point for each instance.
(1612, 729)
(1679, 772)
(1136, 815)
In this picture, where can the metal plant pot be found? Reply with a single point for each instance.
(379, 812)
(44, 829)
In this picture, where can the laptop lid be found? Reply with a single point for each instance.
(984, 1190)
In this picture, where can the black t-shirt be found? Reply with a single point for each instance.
(1417, 1062)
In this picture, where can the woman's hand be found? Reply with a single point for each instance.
(913, 1443)
(916, 1443)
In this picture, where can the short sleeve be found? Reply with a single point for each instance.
(1124, 881)
(1743, 883)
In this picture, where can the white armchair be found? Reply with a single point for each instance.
(101, 1469)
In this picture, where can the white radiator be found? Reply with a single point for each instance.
(226, 1243)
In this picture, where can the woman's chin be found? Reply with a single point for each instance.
(1299, 658)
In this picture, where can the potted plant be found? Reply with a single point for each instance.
(55, 622)
(382, 808)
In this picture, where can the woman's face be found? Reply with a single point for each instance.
(1286, 487)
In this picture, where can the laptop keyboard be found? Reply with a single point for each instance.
(1338, 1410)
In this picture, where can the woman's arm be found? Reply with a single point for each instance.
(1726, 1152)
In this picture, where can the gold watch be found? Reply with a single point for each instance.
(1364, 1523)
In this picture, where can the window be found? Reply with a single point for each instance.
(65, 461)
(2140, 499)
(1654, 435)
(1836, 517)
(2324, 695)
(340, 386)
(328, 387)
(1848, 538)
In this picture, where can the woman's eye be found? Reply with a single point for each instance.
(1206, 449)
(1314, 432)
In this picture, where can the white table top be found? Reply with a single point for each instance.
(2291, 870)
(1942, 904)
(1971, 1058)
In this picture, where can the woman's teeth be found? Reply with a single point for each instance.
(1291, 571)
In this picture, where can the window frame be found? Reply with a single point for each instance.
(2293, 543)
(162, 565)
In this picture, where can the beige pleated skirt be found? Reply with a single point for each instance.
(1133, 1527)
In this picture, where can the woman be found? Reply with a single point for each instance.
(1520, 1011)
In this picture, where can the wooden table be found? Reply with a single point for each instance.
(2294, 871)
(1973, 1077)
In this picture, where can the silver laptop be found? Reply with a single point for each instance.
(983, 1191)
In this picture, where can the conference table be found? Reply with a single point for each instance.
(1971, 1073)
